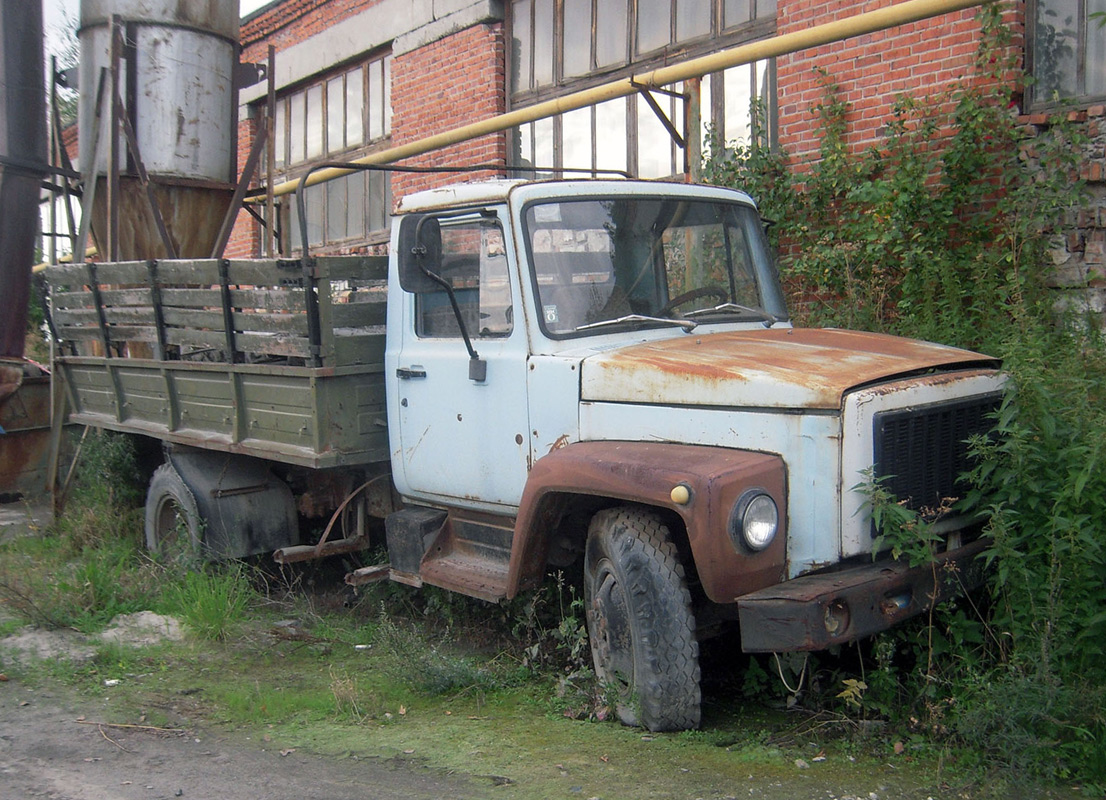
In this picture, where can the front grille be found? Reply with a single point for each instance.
(921, 452)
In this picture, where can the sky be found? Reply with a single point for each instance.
(55, 13)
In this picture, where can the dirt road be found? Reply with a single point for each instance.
(51, 747)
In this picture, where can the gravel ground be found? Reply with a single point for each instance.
(52, 747)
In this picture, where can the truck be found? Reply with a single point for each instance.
(593, 374)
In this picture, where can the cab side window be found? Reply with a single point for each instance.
(474, 262)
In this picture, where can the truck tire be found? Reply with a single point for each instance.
(172, 520)
(640, 622)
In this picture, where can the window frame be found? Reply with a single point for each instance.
(478, 221)
(1081, 97)
(720, 35)
(350, 79)
(713, 102)
(762, 87)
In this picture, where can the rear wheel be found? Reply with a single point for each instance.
(640, 622)
(172, 519)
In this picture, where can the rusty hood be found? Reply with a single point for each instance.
(777, 368)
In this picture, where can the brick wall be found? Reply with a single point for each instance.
(452, 82)
(291, 22)
(922, 59)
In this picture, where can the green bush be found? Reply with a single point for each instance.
(943, 232)
(107, 471)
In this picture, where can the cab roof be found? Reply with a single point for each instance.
(523, 191)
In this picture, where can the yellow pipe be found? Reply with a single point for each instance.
(857, 25)
(89, 252)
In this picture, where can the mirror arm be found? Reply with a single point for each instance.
(438, 279)
(478, 368)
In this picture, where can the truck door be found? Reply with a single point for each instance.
(461, 440)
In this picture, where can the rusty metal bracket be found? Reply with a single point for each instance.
(89, 194)
(239, 194)
(646, 93)
(159, 312)
(97, 298)
(144, 179)
(228, 312)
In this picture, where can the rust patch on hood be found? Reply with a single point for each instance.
(781, 367)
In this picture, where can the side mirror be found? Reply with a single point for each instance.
(420, 254)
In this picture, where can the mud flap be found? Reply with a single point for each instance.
(244, 509)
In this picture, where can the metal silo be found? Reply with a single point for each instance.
(172, 66)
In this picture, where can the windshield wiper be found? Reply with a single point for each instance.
(686, 324)
(769, 318)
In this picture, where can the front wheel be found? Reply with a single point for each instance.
(640, 622)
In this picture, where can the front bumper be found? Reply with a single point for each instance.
(814, 612)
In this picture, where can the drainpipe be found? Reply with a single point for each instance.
(22, 163)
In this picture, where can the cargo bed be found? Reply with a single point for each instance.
(267, 358)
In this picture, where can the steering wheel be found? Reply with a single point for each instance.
(703, 291)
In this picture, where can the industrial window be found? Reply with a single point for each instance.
(343, 112)
(338, 117)
(343, 210)
(556, 42)
(626, 134)
(560, 46)
(1067, 50)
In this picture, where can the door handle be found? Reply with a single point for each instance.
(406, 373)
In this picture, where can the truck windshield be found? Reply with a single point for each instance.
(599, 264)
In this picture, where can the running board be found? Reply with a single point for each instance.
(471, 555)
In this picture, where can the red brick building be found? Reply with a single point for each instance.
(354, 76)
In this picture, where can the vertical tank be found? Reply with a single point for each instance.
(176, 80)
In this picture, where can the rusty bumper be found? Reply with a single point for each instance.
(814, 612)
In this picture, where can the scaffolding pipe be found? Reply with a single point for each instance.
(839, 30)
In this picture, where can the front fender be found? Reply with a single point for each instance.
(646, 472)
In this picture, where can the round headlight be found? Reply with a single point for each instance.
(755, 520)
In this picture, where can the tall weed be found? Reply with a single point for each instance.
(211, 604)
(943, 232)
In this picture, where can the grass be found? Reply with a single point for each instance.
(319, 691)
(348, 702)
(452, 684)
(210, 603)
